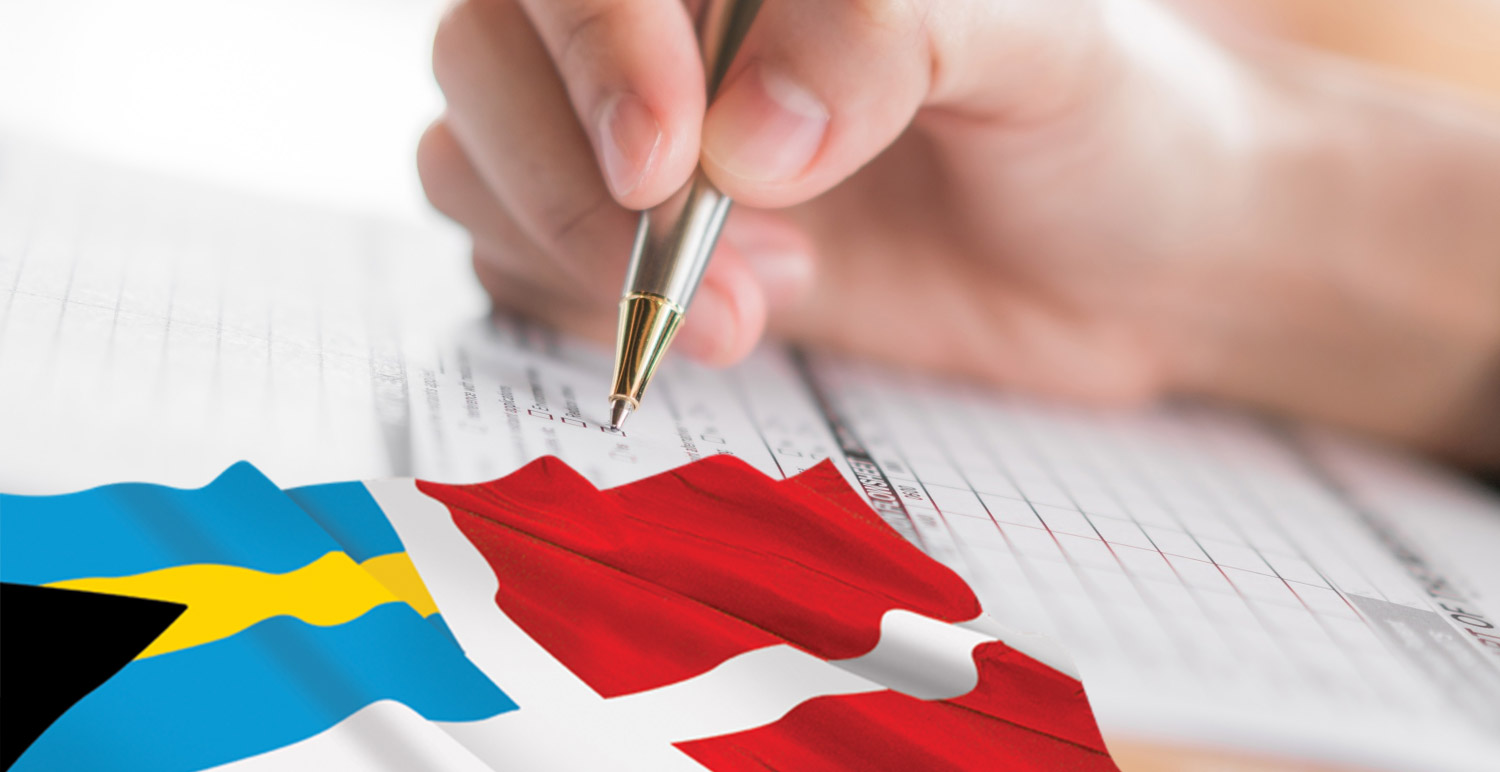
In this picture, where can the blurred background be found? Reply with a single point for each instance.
(316, 100)
(323, 100)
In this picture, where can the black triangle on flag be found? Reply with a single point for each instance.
(56, 646)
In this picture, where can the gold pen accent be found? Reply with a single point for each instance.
(676, 238)
(647, 325)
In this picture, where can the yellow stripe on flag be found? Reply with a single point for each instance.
(397, 573)
(223, 600)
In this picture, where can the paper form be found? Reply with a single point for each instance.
(159, 331)
(1220, 579)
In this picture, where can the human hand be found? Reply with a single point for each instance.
(1081, 197)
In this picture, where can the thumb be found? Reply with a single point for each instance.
(820, 89)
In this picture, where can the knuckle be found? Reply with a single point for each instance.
(439, 158)
(461, 29)
(447, 41)
(494, 276)
(561, 225)
(581, 237)
(898, 16)
(582, 25)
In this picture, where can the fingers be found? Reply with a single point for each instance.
(508, 112)
(820, 89)
(727, 318)
(516, 274)
(728, 315)
(565, 112)
(776, 251)
(513, 164)
(635, 79)
(817, 90)
(455, 189)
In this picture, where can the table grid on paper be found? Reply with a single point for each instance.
(188, 328)
(1187, 552)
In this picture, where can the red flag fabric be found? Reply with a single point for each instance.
(651, 583)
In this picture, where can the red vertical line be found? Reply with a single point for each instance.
(1105, 611)
(1192, 591)
(1135, 582)
(1171, 510)
(1316, 474)
(1038, 585)
(1248, 494)
(1264, 507)
(1253, 496)
(1177, 432)
(1325, 482)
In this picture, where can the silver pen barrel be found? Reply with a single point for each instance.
(675, 240)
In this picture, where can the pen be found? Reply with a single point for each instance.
(675, 239)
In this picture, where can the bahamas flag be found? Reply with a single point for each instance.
(239, 618)
(708, 618)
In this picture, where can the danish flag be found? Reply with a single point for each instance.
(712, 617)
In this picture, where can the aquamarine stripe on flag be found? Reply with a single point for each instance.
(349, 513)
(239, 519)
(277, 683)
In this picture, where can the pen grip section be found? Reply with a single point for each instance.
(675, 240)
(647, 325)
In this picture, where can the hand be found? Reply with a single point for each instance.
(1088, 198)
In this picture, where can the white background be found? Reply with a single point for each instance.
(315, 100)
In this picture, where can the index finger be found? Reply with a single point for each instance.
(635, 79)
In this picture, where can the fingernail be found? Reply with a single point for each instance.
(765, 128)
(628, 139)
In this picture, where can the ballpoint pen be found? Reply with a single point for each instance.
(675, 239)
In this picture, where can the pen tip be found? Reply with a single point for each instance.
(618, 412)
